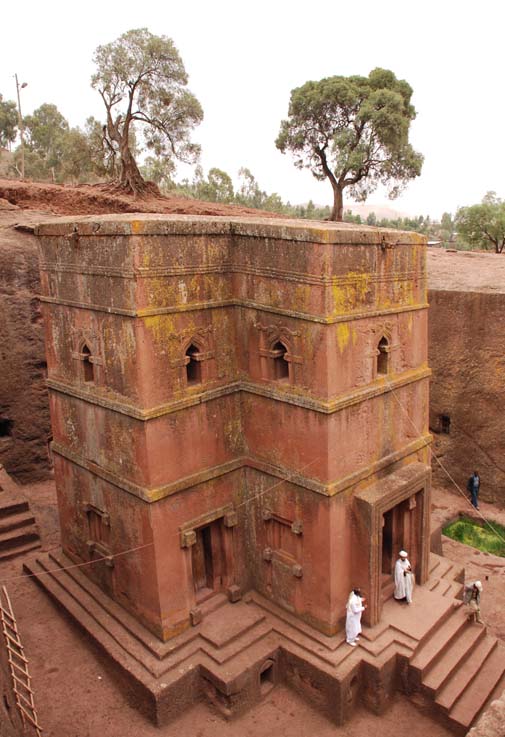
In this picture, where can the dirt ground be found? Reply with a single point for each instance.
(100, 199)
(474, 271)
(77, 696)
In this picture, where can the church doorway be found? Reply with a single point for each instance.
(387, 543)
(208, 560)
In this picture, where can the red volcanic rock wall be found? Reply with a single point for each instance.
(24, 412)
(467, 357)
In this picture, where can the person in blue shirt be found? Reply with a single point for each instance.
(473, 486)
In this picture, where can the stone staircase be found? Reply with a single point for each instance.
(18, 531)
(458, 669)
(454, 667)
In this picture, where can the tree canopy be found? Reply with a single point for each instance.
(8, 122)
(142, 82)
(353, 131)
(45, 131)
(483, 226)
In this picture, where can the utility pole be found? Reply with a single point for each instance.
(21, 126)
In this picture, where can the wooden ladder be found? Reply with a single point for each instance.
(18, 664)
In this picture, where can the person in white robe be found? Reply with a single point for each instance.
(404, 578)
(355, 608)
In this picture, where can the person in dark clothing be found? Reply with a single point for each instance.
(473, 486)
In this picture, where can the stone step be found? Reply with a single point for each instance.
(87, 623)
(90, 589)
(440, 586)
(441, 567)
(387, 590)
(72, 596)
(473, 699)
(498, 692)
(16, 520)
(459, 650)
(431, 650)
(434, 563)
(12, 505)
(240, 644)
(455, 590)
(213, 604)
(20, 549)
(15, 538)
(467, 670)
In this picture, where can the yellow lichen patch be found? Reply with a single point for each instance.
(160, 326)
(349, 295)
(136, 226)
(302, 297)
(343, 334)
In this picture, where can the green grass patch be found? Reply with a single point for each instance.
(478, 535)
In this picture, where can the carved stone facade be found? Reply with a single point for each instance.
(243, 404)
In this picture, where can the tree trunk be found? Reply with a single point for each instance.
(131, 178)
(337, 212)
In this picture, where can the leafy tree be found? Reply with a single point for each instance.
(45, 130)
(447, 228)
(142, 80)
(482, 226)
(220, 186)
(159, 171)
(249, 192)
(353, 131)
(35, 165)
(371, 219)
(8, 122)
(77, 162)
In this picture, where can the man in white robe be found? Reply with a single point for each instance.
(404, 578)
(355, 607)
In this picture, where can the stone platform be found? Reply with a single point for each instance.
(240, 651)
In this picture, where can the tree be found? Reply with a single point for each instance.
(77, 162)
(159, 171)
(141, 80)
(8, 122)
(483, 225)
(46, 129)
(446, 230)
(220, 185)
(353, 131)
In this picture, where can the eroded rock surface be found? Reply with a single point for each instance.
(467, 357)
(24, 411)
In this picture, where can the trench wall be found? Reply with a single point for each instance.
(467, 356)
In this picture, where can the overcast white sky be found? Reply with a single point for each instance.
(244, 58)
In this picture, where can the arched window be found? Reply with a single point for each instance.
(89, 371)
(193, 365)
(383, 357)
(281, 366)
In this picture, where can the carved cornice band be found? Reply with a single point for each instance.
(265, 390)
(154, 494)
